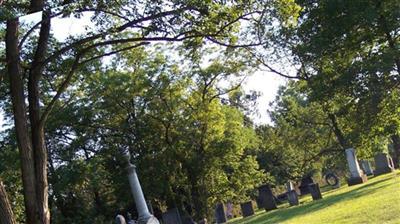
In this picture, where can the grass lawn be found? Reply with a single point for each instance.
(376, 201)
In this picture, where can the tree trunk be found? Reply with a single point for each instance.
(338, 133)
(396, 149)
(6, 213)
(20, 121)
(32, 148)
(37, 126)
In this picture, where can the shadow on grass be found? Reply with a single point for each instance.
(281, 215)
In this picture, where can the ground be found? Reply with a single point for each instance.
(376, 201)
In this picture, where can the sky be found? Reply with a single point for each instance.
(265, 83)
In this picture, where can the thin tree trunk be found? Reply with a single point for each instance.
(6, 213)
(338, 132)
(37, 126)
(20, 121)
(396, 149)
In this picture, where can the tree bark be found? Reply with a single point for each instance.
(6, 213)
(338, 132)
(37, 126)
(396, 149)
(20, 121)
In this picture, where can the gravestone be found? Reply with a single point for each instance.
(383, 164)
(289, 186)
(332, 180)
(247, 209)
(305, 181)
(259, 203)
(391, 162)
(119, 219)
(357, 176)
(366, 167)
(171, 216)
(220, 215)
(315, 191)
(266, 198)
(293, 198)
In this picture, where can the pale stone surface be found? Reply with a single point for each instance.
(144, 216)
(357, 176)
(290, 186)
(119, 219)
(352, 162)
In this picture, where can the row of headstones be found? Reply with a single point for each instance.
(266, 200)
(358, 174)
(383, 164)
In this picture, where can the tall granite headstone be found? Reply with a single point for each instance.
(171, 216)
(266, 198)
(220, 216)
(366, 167)
(383, 164)
(293, 198)
(247, 209)
(315, 191)
(357, 176)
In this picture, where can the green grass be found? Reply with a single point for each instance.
(376, 201)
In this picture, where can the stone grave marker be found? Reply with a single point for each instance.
(315, 191)
(293, 198)
(220, 216)
(383, 164)
(332, 180)
(357, 176)
(305, 181)
(366, 167)
(119, 219)
(266, 197)
(247, 209)
(289, 186)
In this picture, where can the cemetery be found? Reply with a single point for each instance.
(199, 112)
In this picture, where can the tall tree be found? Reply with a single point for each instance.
(125, 25)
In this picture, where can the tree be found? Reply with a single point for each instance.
(301, 140)
(132, 27)
(144, 102)
(346, 53)
(7, 215)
